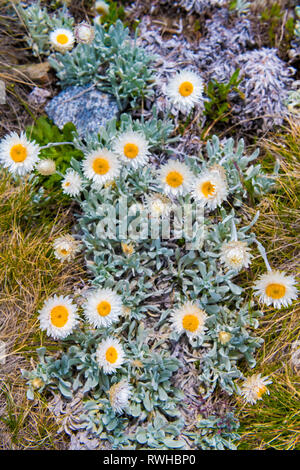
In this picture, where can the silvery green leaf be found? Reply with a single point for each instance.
(147, 402)
(112, 424)
(141, 437)
(174, 444)
(234, 288)
(65, 388)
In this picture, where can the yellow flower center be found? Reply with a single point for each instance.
(104, 308)
(62, 39)
(190, 323)
(67, 184)
(235, 259)
(186, 89)
(261, 391)
(100, 166)
(275, 291)
(174, 179)
(127, 248)
(208, 189)
(131, 150)
(101, 10)
(64, 251)
(59, 316)
(111, 355)
(18, 153)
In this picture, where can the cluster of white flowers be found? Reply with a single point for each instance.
(63, 39)
(59, 317)
(130, 149)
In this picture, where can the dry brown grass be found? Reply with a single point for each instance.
(275, 421)
(14, 56)
(29, 274)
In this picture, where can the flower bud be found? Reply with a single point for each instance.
(224, 337)
(46, 167)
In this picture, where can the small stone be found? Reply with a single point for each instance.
(38, 96)
(85, 106)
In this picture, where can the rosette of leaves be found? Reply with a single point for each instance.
(113, 62)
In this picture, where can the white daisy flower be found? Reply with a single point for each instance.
(84, 33)
(235, 255)
(18, 154)
(101, 166)
(158, 205)
(189, 319)
(110, 355)
(210, 188)
(185, 90)
(276, 288)
(58, 317)
(46, 167)
(65, 248)
(72, 183)
(175, 178)
(62, 39)
(101, 7)
(119, 394)
(132, 148)
(254, 388)
(103, 307)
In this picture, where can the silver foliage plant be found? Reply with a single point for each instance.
(39, 23)
(163, 367)
(113, 62)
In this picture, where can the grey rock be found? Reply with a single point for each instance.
(85, 106)
(38, 96)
